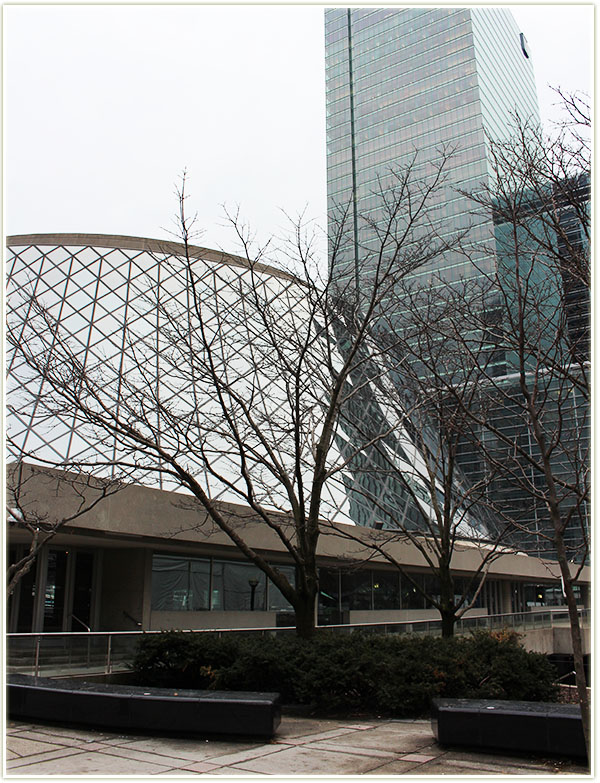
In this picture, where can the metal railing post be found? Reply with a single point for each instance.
(108, 654)
(36, 664)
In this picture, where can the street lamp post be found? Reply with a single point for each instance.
(253, 585)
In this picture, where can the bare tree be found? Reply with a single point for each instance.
(236, 391)
(28, 510)
(412, 474)
(533, 411)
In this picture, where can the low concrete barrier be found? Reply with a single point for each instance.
(148, 709)
(527, 726)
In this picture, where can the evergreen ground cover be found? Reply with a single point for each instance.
(357, 672)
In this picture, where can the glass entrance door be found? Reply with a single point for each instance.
(55, 591)
(57, 594)
(81, 610)
(68, 591)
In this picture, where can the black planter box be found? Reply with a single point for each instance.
(526, 726)
(147, 709)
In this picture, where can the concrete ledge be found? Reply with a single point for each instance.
(526, 726)
(135, 707)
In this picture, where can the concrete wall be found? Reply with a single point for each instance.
(554, 640)
(391, 615)
(402, 615)
(563, 644)
(122, 588)
(166, 621)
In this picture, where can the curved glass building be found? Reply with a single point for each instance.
(129, 318)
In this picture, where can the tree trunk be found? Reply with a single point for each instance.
(448, 622)
(447, 608)
(305, 616)
(17, 571)
(576, 640)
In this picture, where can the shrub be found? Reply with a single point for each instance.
(395, 675)
(509, 671)
(182, 660)
(265, 664)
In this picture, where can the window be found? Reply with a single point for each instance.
(276, 602)
(535, 595)
(237, 587)
(329, 596)
(356, 590)
(411, 597)
(386, 590)
(180, 584)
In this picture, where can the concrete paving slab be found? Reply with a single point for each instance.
(191, 749)
(202, 766)
(143, 755)
(308, 737)
(443, 769)
(352, 749)
(63, 731)
(233, 772)
(120, 740)
(446, 766)
(172, 772)
(95, 746)
(308, 761)
(395, 768)
(23, 746)
(398, 742)
(389, 739)
(38, 758)
(417, 757)
(493, 759)
(19, 726)
(40, 736)
(293, 726)
(358, 726)
(93, 763)
(230, 759)
(306, 747)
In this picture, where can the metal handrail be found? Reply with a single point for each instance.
(133, 620)
(107, 660)
(485, 619)
(87, 627)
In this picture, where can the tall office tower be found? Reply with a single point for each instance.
(403, 85)
(406, 81)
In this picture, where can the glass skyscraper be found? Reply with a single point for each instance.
(405, 82)
(408, 87)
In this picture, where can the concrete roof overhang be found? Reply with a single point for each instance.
(140, 516)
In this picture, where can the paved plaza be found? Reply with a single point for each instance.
(302, 746)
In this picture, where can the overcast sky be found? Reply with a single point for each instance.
(106, 105)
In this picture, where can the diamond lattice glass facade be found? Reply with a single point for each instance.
(124, 307)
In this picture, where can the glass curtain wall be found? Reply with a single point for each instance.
(183, 584)
(343, 591)
(406, 82)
